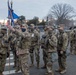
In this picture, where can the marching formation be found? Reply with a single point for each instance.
(25, 41)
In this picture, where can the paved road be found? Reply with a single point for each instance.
(71, 66)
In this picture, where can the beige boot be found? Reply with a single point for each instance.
(49, 73)
(62, 72)
(58, 70)
(31, 65)
(38, 65)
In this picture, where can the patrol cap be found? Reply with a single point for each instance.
(61, 26)
(49, 28)
(32, 25)
(25, 25)
(17, 26)
(52, 27)
(3, 27)
(46, 28)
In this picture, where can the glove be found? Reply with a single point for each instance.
(61, 52)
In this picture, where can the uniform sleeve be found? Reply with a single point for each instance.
(53, 41)
(65, 42)
(5, 42)
(9, 37)
(37, 37)
(70, 37)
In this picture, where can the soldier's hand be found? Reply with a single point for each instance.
(61, 52)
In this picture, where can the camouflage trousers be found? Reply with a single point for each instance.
(23, 60)
(14, 54)
(36, 51)
(62, 60)
(49, 63)
(73, 48)
(15, 58)
(2, 62)
(44, 57)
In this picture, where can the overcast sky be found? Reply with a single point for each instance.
(31, 8)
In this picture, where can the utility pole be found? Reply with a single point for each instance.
(47, 20)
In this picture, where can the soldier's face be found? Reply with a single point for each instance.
(50, 32)
(60, 29)
(32, 27)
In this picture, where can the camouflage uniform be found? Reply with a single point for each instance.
(44, 48)
(23, 51)
(12, 41)
(51, 48)
(37, 29)
(61, 49)
(3, 51)
(35, 38)
(73, 41)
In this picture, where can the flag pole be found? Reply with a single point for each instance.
(7, 37)
(11, 10)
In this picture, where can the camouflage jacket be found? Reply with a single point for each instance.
(4, 45)
(35, 38)
(23, 42)
(62, 41)
(52, 43)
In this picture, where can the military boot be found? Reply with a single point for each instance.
(50, 73)
(44, 67)
(17, 70)
(58, 70)
(31, 65)
(37, 65)
(63, 71)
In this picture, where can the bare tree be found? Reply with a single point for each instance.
(62, 12)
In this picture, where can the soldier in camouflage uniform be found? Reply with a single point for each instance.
(35, 38)
(51, 48)
(73, 41)
(37, 29)
(12, 41)
(23, 46)
(44, 46)
(3, 49)
(61, 49)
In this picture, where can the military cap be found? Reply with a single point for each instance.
(32, 25)
(3, 27)
(46, 28)
(24, 26)
(17, 26)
